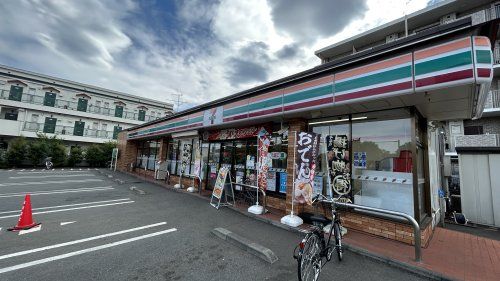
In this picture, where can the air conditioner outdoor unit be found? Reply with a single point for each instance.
(391, 38)
(448, 18)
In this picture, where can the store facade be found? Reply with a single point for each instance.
(373, 115)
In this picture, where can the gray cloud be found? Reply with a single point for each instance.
(250, 65)
(289, 51)
(307, 20)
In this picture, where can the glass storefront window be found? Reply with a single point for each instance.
(213, 164)
(382, 161)
(173, 147)
(146, 154)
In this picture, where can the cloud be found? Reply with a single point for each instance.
(203, 49)
(307, 21)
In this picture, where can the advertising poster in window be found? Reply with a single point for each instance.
(271, 181)
(283, 179)
(263, 143)
(307, 149)
(186, 156)
(338, 161)
(197, 158)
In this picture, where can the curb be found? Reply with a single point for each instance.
(241, 242)
(398, 264)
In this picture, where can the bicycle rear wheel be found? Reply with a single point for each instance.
(309, 261)
(338, 240)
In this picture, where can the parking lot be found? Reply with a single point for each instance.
(96, 228)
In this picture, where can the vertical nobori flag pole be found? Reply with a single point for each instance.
(291, 219)
(260, 165)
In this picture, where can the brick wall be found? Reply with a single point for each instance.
(127, 152)
(385, 228)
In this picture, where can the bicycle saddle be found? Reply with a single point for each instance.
(320, 219)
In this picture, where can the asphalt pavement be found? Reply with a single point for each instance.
(94, 228)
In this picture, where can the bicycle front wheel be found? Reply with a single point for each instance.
(309, 261)
(338, 240)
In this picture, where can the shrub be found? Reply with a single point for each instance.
(37, 151)
(16, 153)
(44, 146)
(97, 155)
(75, 156)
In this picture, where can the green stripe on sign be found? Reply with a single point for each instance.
(307, 94)
(195, 120)
(234, 111)
(377, 78)
(265, 104)
(483, 56)
(443, 63)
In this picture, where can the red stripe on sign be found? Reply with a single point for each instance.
(265, 112)
(443, 78)
(375, 91)
(483, 72)
(328, 100)
(236, 117)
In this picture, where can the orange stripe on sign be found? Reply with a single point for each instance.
(194, 115)
(309, 84)
(444, 48)
(373, 67)
(266, 96)
(482, 41)
(236, 103)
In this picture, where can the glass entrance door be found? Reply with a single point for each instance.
(213, 164)
(240, 155)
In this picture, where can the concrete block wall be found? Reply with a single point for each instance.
(491, 125)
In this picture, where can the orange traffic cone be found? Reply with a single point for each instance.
(26, 218)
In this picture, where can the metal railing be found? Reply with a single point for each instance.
(71, 105)
(389, 214)
(68, 130)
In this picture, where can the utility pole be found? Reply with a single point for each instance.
(178, 100)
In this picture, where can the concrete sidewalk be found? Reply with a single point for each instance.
(450, 255)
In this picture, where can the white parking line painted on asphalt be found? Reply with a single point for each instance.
(69, 205)
(46, 182)
(86, 189)
(66, 222)
(71, 209)
(33, 229)
(80, 240)
(53, 176)
(84, 251)
(48, 172)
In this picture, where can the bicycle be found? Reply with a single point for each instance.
(313, 248)
(48, 163)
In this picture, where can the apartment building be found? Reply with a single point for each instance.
(78, 113)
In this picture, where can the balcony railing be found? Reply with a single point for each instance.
(68, 130)
(71, 105)
(485, 15)
(487, 140)
(493, 100)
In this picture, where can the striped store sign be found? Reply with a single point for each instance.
(384, 78)
(235, 111)
(444, 65)
(483, 58)
(447, 64)
(314, 93)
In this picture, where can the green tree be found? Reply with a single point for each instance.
(38, 149)
(3, 159)
(75, 156)
(16, 153)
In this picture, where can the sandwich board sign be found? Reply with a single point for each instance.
(219, 194)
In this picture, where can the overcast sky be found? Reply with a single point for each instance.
(202, 49)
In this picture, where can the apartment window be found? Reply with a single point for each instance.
(50, 99)
(116, 130)
(16, 93)
(97, 108)
(50, 125)
(119, 111)
(142, 115)
(79, 128)
(82, 104)
(473, 130)
(11, 115)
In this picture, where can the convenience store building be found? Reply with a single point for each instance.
(384, 99)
